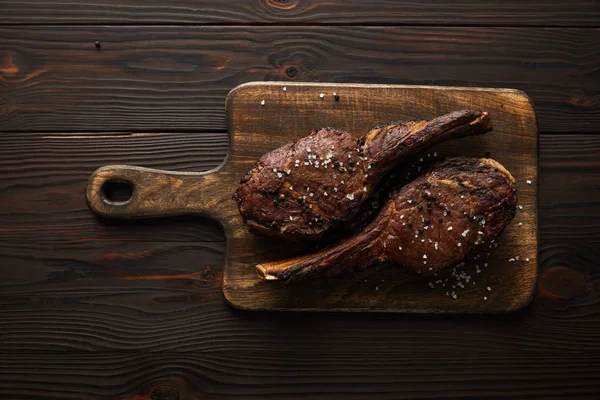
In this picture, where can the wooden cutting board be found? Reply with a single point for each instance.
(263, 115)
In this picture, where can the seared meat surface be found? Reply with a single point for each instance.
(305, 189)
(430, 224)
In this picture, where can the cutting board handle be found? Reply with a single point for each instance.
(123, 191)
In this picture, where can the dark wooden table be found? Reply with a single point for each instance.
(102, 309)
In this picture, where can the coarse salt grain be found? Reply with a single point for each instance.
(350, 196)
(520, 207)
(262, 103)
(449, 228)
(436, 245)
(399, 247)
(527, 259)
(284, 88)
(424, 255)
(322, 95)
(489, 289)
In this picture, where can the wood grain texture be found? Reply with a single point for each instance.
(43, 178)
(290, 375)
(570, 189)
(288, 115)
(54, 292)
(176, 78)
(348, 12)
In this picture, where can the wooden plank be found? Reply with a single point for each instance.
(288, 375)
(43, 178)
(42, 313)
(389, 12)
(176, 78)
(570, 189)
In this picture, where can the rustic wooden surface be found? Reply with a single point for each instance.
(90, 308)
(176, 78)
(334, 12)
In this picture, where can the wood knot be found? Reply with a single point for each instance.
(280, 4)
(561, 283)
(291, 71)
(165, 392)
(207, 274)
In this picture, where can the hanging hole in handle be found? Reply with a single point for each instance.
(117, 191)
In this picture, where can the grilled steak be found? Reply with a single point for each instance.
(429, 224)
(304, 189)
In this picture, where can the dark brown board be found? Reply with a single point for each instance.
(163, 78)
(348, 12)
(287, 115)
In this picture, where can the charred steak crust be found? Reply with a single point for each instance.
(305, 189)
(430, 224)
